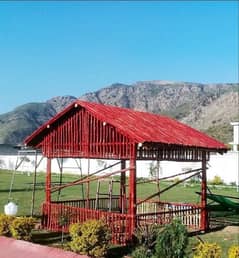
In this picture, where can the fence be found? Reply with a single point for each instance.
(58, 216)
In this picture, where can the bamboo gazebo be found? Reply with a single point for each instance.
(96, 131)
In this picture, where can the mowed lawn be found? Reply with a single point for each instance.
(22, 195)
(23, 184)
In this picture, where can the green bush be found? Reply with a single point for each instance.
(207, 250)
(75, 230)
(217, 180)
(141, 252)
(21, 228)
(172, 241)
(233, 251)
(91, 238)
(5, 222)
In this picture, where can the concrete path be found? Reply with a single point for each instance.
(11, 248)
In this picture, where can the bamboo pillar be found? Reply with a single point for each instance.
(123, 188)
(204, 215)
(60, 165)
(88, 186)
(48, 181)
(34, 186)
(132, 191)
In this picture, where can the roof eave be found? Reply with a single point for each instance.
(220, 150)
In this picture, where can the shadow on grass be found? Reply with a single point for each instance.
(118, 251)
(54, 239)
(46, 238)
(19, 190)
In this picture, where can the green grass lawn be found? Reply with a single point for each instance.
(225, 237)
(22, 190)
(22, 194)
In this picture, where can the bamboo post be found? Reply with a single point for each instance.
(34, 186)
(132, 191)
(204, 215)
(88, 186)
(60, 165)
(48, 180)
(122, 188)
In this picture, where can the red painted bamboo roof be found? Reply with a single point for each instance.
(142, 126)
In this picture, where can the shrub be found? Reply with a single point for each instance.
(141, 252)
(172, 241)
(21, 228)
(233, 251)
(217, 180)
(75, 230)
(207, 250)
(5, 222)
(90, 238)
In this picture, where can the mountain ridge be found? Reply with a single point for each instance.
(207, 107)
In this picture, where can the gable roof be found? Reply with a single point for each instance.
(142, 126)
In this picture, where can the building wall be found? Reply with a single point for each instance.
(225, 166)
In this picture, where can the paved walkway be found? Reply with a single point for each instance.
(11, 248)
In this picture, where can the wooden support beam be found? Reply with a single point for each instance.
(132, 190)
(204, 214)
(60, 162)
(167, 188)
(167, 177)
(86, 180)
(88, 186)
(79, 181)
(34, 186)
(123, 188)
(48, 180)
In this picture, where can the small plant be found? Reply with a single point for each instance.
(172, 241)
(153, 170)
(146, 235)
(176, 180)
(194, 180)
(217, 180)
(90, 238)
(233, 183)
(22, 227)
(233, 251)
(5, 222)
(207, 250)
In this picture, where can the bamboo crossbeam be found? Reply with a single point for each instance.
(167, 177)
(75, 182)
(166, 189)
(86, 180)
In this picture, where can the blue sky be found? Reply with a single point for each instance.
(60, 48)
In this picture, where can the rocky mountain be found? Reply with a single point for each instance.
(23, 120)
(208, 107)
